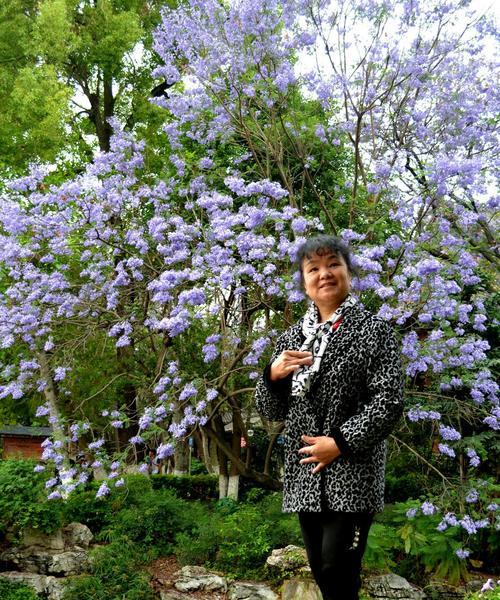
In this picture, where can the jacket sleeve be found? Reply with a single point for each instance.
(384, 382)
(271, 397)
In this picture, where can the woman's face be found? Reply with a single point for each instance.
(327, 280)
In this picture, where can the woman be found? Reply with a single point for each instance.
(335, 378)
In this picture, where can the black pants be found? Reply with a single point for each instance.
(335, 543)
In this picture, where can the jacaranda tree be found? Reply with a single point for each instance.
(374, 120)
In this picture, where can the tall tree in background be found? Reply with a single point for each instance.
(67, 67)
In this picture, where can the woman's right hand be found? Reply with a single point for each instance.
(288, 362)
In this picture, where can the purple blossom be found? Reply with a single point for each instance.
(428, 508)
(449, 433)
(461, 553)
(164, 451)
(445, 449)
(472, 496)
(103, 490)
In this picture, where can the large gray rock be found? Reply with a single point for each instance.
(30, 560)
(391, 587)
(291, 558)
(77, 535)
(73, 562)
(305, 589)
(33, 580)
(33, 538)
(193, 579)
(55, 588)
(251, 591)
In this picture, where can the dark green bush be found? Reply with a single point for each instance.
(153, 521)
(189, 487)
(10, 590)
(82, 506)
(116, 575)
(23, 499)
(238, 538)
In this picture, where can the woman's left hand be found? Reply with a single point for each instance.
(321, 449)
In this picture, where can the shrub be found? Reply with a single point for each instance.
(116, 574)
(189, 487)
(10, 590)
(153, 521)
(23, 499)
(237, 538)
(82, 506)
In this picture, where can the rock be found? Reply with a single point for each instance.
(73, 562)
(32, 538)
(193, 578)
(290, 558)
(171, 595)
(33, 580)
(305, 589)
(29, 560)
(392, 586)
(437, 590)
(77, 535)
(55, 588)
(251, 591)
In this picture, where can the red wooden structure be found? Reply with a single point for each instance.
(19, 441)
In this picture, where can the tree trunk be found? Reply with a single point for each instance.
(50, 395)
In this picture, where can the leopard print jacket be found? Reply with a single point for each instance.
(356, 398)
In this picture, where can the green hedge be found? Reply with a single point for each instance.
(189, 487)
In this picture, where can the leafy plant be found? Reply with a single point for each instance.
(10, 590)
(116, 574)
(23, 499)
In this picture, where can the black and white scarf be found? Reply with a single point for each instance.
(317, 337)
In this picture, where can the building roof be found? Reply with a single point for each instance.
(24, 431)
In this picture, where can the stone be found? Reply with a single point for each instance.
(33, 538)
(29, 560)
(72, 562)
(77, 535)
(171, 595)
(251, 591)
(305, 589)
(391, 586)
(290, 558)
(194, 578)
(55, 588)
(437, 590)
(33, 580)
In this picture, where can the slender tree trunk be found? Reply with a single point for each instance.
(53, 404)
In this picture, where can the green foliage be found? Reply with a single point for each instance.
(116, 574)
(190, 487)
(431, 551)
(382, 542)
(154, 521)
(10, 590)
(23, 499)
(237, 538)
(82, 506)
(493, 594)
